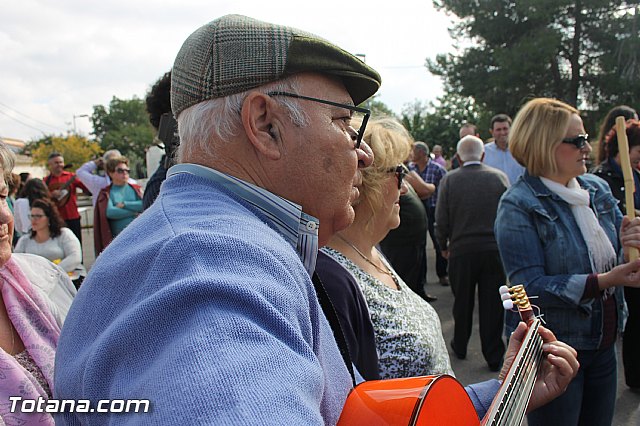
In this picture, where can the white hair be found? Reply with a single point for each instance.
(470, 148)
(7, 160)
(111, 153)
(421, 146)
(219, 119)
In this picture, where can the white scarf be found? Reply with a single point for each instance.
(601, 252)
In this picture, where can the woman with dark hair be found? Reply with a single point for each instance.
(607, 124)
(50, 239)
(118, 204)
(15, 186)
(33, 189)
(610, 171)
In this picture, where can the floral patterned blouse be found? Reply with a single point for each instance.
(407, 329)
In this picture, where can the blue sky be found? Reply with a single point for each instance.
(59, 58)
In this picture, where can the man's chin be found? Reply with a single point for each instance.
(355, 196)
(338, 224)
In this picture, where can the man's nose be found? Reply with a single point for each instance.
(365, 155)
(5, 214)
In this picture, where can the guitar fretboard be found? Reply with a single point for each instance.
(517, 387)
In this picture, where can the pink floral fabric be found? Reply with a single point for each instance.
(39, 332)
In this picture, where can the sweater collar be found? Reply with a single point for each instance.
(296, 227)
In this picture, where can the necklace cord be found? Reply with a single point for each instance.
(379, 269)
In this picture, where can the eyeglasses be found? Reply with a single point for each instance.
(579, 141)
(122, 171)
(401, 172)
(35, 216)
(358, 134)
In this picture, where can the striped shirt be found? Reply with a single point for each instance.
(296, 227)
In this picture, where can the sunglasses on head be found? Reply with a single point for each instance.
(579, 141)
(401, 172)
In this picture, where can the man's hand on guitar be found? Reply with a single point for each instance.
(558, 368)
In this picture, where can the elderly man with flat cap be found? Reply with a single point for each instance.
(205, 305)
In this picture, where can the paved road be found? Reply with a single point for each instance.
(473, 368)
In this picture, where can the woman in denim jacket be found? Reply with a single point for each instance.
(561, 234)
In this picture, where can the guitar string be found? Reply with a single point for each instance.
(514, 382)
(524, 395)
(524, 383)
(527, 388)
(508, 408)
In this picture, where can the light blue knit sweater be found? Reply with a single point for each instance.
(202, 308)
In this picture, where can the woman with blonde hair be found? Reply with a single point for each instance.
(390, 331)
(405, 328)
(561, 235)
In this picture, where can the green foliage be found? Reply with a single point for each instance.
(124, 125)
(439, 122)
(584, 52)
(378, 108)
(75, 149)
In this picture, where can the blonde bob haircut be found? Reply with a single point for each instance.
(537, 130)
(391, 144)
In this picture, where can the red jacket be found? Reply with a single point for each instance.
(70, 210)
(102, 235)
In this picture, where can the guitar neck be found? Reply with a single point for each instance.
(510, 404)
(68, 183)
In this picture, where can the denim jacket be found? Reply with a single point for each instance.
(542, 247)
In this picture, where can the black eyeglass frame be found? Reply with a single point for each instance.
(579, 141)
(365, 111)
(401, 172)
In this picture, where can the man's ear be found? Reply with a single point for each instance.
(260, 122)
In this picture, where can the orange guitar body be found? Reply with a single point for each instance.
(426, 400)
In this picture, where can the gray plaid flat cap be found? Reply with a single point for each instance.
(235, 53)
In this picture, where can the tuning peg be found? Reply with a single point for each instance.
(507, 304)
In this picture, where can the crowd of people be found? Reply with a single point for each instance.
(283, 260)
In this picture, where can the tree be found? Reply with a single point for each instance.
(75, 149)
(378, 108)
(577, 51)
(124, 126)
(439, 122)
